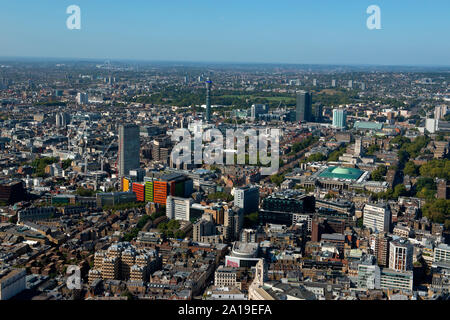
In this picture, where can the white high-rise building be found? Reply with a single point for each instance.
(401, 255)
(178, 208)
(432, 125)
(377, 217)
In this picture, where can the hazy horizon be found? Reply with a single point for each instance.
(213, 62)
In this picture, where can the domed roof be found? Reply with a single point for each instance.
(340, 170)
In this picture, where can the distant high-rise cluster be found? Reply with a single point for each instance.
(350, 84)
(257, 110)
(82, 98)
(62, 119)
(440, 112)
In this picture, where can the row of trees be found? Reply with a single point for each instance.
(438, 210)
(334, 156)
(408, 148)
(220, 196)
(436, 168)
(379, 173)
(236, 99)
(171, 229)
(391, 194)
(425, 188)
(277, 179)
(372, 149)
(316, 157)
(299, 146)
(84, 192)
(124, 206)
(40, 164)
(134, 232)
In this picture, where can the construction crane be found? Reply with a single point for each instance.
(69, 140)
(77, 136)
(279, 105)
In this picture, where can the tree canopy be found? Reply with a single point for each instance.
(436, 168)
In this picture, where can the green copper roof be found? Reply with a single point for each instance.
(341, 173)
(340, 170)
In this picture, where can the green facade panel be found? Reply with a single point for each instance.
(149, 191)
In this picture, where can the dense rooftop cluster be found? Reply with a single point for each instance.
(359, 208)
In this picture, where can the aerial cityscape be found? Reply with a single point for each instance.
(137, 179)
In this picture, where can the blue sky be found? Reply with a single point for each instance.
(280, 31)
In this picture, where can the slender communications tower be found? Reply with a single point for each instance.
(208, 100)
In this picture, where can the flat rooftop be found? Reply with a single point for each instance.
(333, 236)
(245, 248)
(6, 274)
(172, 176)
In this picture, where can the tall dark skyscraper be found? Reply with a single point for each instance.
(129, 148)
(303, 110)
(208, 100)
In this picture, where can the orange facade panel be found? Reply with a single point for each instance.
(160, 192)
(139, 190)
